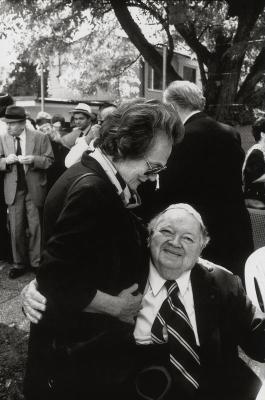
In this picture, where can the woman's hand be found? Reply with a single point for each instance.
(33, 302)
(130, 304)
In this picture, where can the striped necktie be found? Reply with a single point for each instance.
(184, 358)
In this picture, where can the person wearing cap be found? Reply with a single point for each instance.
(83, 124)
(86, 142)
(196, 358)
(25, 155)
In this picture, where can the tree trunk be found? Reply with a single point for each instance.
(147, 50)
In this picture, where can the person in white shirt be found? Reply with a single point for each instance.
(86, 142)
(218, 311)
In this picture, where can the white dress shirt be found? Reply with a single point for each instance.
(22, 138)
(76, 152)
(154, 295)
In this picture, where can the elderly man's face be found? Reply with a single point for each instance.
(176, 243)
(15, 128)
(135, 172)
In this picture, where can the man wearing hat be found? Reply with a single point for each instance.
(25, 155)
(82, 118)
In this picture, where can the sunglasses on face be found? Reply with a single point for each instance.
(154, 170)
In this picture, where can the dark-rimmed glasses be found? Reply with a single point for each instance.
(154, 170)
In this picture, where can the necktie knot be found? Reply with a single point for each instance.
(171, 286)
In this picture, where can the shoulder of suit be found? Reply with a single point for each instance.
(32, 131)
(211, 267)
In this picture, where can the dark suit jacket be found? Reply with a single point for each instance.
(254, 169)
(225, 319)
(205, 171)
(91, 242)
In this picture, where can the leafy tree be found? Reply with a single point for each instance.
(24, 80)
(226, 36)
(101, 60)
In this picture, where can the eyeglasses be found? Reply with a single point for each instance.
(154, 170)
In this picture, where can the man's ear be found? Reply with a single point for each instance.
(149, 238)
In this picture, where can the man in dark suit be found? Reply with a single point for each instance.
(217, 308)
(25, 155)
(218, 317)
(205, 171)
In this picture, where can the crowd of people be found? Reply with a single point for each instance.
(32, 157)
(140, 250)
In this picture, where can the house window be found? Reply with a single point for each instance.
(154, 79)
(189, 74)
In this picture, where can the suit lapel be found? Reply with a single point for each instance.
(30, 143)
(206, 306)
(10, 144)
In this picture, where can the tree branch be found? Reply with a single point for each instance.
(148, 51)
(188, 34)
(255, 75)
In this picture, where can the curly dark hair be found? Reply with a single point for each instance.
(130, 130)
(257, 128)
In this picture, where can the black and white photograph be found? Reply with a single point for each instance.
(132, 200)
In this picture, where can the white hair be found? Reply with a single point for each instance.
(185, 94)
(190, 210)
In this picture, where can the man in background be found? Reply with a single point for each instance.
(25, 155)
(82, 119)
(205, 171)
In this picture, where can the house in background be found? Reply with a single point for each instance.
(141, 80)
(185, 65)
(149, 83)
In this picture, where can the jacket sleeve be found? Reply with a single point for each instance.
(69, 259)
(3, 165)
(45, 159)
(255, 166)
(250, 324)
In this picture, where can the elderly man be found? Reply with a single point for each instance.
(205, 171)
(82, 119)
(25, 155)
(194, 314)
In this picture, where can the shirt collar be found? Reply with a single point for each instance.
(190, 115)
(85, 131)
(157, 282)
(22, 136)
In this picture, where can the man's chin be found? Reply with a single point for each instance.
(170, 272)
